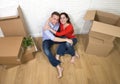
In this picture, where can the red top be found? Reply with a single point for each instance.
(67, 32)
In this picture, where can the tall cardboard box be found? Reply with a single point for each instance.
(105, 27)
(14, 27)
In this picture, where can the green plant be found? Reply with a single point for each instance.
(27, 41)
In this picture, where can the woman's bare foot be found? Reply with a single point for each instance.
(73, 59)
(60, 71)
(76, 54)
(57, 57)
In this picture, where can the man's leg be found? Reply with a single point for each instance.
(56, 63)
(46, 48)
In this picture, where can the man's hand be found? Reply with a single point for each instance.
(46, 27)
(69, 41)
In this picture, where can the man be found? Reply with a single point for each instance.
(49, 39)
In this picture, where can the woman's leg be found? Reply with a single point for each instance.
(71, 51)
(61, 50)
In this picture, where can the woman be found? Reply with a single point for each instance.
(66, 31)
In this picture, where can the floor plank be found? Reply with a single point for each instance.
(88, 69)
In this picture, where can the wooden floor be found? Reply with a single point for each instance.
(88, 69)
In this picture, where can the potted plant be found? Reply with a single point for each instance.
(27, 42)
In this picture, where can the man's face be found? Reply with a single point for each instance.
(54, 19)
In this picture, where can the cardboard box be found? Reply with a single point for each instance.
(106, 38)
(105, 23)
(14, 25)
(98, 47)
(29, 54)
(104, 28)
(11, 50)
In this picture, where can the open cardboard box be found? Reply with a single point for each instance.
(103, 22)
(98, 47)
(106, 38)
(14, 27)
(104, 26)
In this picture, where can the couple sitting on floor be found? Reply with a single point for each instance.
(64, 37)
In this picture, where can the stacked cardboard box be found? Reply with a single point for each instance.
(14, 25)
(102, 32)
(12, 52)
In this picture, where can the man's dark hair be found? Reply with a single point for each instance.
(55, 13)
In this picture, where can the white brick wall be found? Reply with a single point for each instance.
(37, 11)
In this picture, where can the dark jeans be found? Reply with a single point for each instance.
(47, 50)
(66, 48)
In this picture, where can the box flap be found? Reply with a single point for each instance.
(23, 19)
(105, 17)
(106, 14)
(106, 29)
(8, 12)
(90, 15)
(8, 17)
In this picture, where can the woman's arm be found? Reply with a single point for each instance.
(67, 30)
(61, 33)
(57, 39)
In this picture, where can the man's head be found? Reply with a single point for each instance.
(55, 17)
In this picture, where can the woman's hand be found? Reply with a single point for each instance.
(69, 41)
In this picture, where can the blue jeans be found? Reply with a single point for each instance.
(47, 50)
(66, 48)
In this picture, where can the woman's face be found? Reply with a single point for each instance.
(63, 19)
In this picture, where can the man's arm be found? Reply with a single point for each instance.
(53, 31)
(57, 39)
(46, 25)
